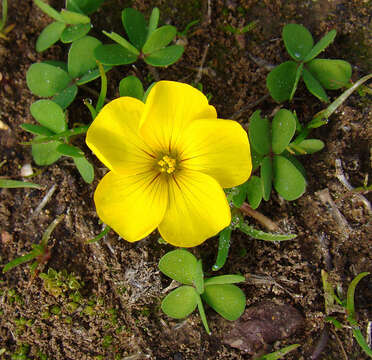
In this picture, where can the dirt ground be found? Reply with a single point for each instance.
(119, 315)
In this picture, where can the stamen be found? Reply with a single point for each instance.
(167, 164)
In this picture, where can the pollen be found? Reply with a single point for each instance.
(167, 164)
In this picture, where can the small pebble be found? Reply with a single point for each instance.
(26, 170)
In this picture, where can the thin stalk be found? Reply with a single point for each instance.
(5, 14)
(102, 95)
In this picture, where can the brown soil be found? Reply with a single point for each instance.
(333, 225)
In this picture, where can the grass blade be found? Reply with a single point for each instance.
(13, 184)
(20, 260)
(350, 307)
(223, 248)
(49, 230)
(280, 353)
(261, 235)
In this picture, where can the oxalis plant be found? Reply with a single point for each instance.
(317, 74)
(58, 82)
(219, 292)
(173, 165)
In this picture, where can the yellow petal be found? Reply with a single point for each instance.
(197, 209)
(219, 148)
(169, 109)
(113, 137)
(132, 205)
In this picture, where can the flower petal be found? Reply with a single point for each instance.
(113, 137)
(132, 205)
(219, 148)
(169, 108)
(197, 209)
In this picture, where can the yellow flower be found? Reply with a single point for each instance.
(169, 160)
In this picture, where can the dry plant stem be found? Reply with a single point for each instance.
(262, 219)
(261, 62)
(171, 286)
(43, 202)
(200, 71)
(237, 114)
(267, 279)
(207, 7)
(341, 177)
(340, 344)
(343, 226)
(321, 344)
(369, 334)
(324, 245)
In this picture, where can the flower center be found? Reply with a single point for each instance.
(167, 164)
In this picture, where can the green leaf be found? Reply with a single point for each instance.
(254, 191)
(153, 22)
(86, 6)
(121, 41)
(314, 86)
(261, 235)
(37, 129)
(70, 150)
(259, 133)
(297, 79)
(310, 146)
(228, 300)
(199, 278)
(49, 36)
(332, 74)
(75, 32)
(239, 194)
(282, 130)
(81, 57)
(13, 184)
(180, 302)
(131, 86)
(288, 180)
(321, 45)
(279, 353)
(92, 75)
(159, 38)
(266, 177)
(19, 260)
(297, 40)
(362, 341)
(59, 64)
(281, 81)
(334, 321)
(49, 10)
(46, 80)
(135, 26)
(350, 307)
(114, 54)
(223, 248)
(66, 96)
(74, 18)
(49, 114)
(256, 159)
(179, 265)
(166, 56)
(202, 314)
(45, 154)
(295, 162)
(103, 233)
(224, 279)
(85, 169)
